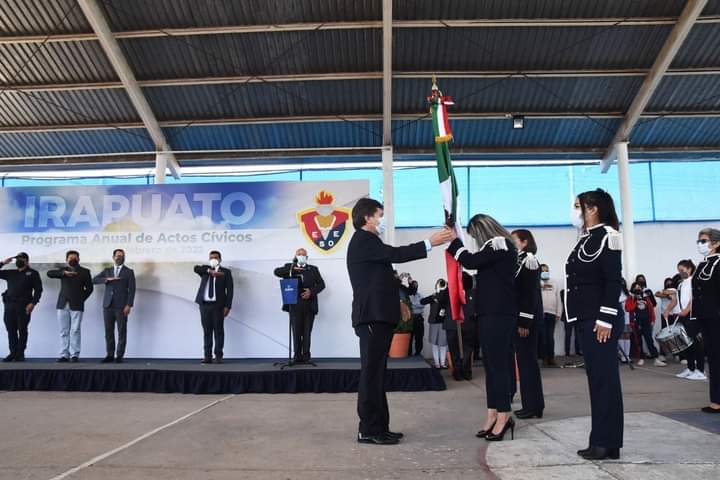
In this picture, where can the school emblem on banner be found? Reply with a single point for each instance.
(324, 225)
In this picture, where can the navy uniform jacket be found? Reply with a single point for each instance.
(73, 290)
(376, 291)
(23, 286)
(309, 277)
(706, 288)
(224, 287)
(594, 273)
(120, 292)
(496, 263)
(439, 302)
(527, 281)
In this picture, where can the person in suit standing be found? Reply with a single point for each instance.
(376, 311)
(302, 314)
(530, 315)
(75, 287)
(594, 283)
(215, 296)
(118, 300)
(24, 289)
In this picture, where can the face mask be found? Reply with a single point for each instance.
(703, 248)
(545, 275)
(577, 218)
(20, 263)
(381, 227)
(683, 275)
(301, 259)
(214, 262)
(73, 263)
(119, 260)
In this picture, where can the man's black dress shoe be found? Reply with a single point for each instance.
(206, 360)
(9, 358)
(62, 360)
(107, 359)
(119, 360)
(397, 435)
(584, 451)
(20, 358)
(74, 359)
(600, 453)
(381, 439)
(525, 414)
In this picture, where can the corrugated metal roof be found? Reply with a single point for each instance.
(33, 17)
(498, 133)
(527, 48)
(255, 54)
(701, 48)
(276, 99)
(520, 94)
(66, 107)
(74, 142)
(141, 14)
(277, 135)
(473, 9)
(677, 132)
(56, 62)
(686, 93)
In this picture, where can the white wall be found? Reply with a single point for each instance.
(659, 247)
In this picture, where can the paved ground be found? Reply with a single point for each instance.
(311, 436)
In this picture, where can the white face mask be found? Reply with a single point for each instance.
(545, 275)
(214, 262)
(381, 227)
(577, 218)
(301, 259)
(703, 248)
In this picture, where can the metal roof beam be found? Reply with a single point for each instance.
(323, 77)
(358, 25)
(672, 45)
(110, 46)
(387, 72)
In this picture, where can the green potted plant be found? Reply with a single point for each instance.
(403, 331)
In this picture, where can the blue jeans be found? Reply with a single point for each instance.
(69, 331)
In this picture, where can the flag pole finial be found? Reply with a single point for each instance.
(434, 82)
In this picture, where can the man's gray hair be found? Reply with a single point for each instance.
(484, 227)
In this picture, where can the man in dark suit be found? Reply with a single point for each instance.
(75, 287)
(302, 314)
(376, 311)
(215, 296)
(119, 297)
(24, 289)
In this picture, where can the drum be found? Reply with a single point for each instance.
(673, 339)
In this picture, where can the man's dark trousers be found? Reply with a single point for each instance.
(213, 322)
(372, 407)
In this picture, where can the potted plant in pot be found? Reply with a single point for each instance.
(403, 331)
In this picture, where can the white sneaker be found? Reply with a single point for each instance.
(662, 357)
(641, 362)
(683, 362)
(684, 374)
(697, 375)
(659, 363)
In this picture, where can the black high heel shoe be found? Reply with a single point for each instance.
(510, 425)
(483, 433)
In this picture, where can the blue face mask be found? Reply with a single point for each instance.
(381, 227)
(545, 275)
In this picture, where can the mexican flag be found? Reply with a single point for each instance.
(450, 195)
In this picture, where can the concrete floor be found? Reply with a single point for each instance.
(52, 435)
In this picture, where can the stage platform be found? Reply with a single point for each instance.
(331, 375)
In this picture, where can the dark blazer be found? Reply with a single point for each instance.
(495, 278)
(706, 289)
(376, 291)
(73, 290)
(438, 302)
(309, 278)
(594, 277)
(529, 296)
(23, 287)
(224, 288)
(120, 292)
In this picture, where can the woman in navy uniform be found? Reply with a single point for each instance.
(593, 276)
(496, 307)
(706, 307)
(527, 281)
